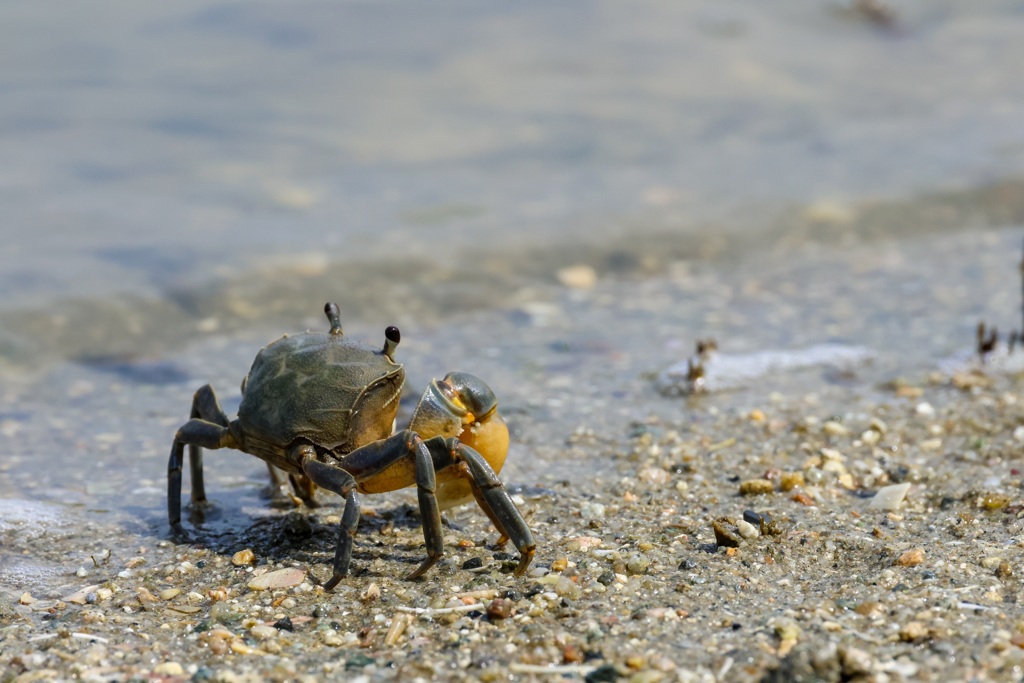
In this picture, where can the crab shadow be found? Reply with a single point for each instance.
(306, 536)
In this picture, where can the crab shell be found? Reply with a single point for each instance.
(318, 388)
(338, 394)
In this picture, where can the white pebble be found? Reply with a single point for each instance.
(578, 277)
(925, 409)
(746, 529)
(889, 497)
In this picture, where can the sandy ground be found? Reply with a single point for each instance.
(631, 579)
(734, 536)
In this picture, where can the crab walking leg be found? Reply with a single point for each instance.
(195, 432)
(494, 500)
(174, 490)
(205, 407)
(338, 481)
(374, 460)
(304, 489)
(426, 487)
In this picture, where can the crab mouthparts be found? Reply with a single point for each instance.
(452, 402)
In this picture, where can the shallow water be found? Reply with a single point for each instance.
(182, 184)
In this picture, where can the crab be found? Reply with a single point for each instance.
(321, 407)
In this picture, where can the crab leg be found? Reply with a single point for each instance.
(430, 514)
(205, 407)
(490, 494)
(194, 433)
(364, 463)
(338, 481)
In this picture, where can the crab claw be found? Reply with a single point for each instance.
(461, 405)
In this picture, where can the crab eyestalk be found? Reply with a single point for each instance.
(391, 338)
(334, 316)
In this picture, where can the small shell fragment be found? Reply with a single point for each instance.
(725, 533)
(80, 597)
(399, 623)
(282, 578)
(889, 497)
(747, 530)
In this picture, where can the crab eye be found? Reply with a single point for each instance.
(391, 338)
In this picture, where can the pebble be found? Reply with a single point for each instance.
(580, 276)
(910, 558)
(332, 638)
(991, 562)
(282, 578)
(169, 593)
(654, 475)
(833, 428)
(263, 632)
(564, 587)
(243, 558)
(95, 654)
(169, 669)
(925, 409)
(225, 612)
(725, 535)
(756, 487)
(371, 593)
(747, 530)
(889, 497)
(499, 608)
(913, 630)
(803, 499)
(81, 596)
(831, 455)
(637, 564)
(791, 480)
(584, 543)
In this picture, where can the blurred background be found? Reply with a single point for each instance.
(560, 197)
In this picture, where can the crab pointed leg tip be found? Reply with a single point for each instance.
(334, 581)
(524, 562)
(422, 569)
(415, 573)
